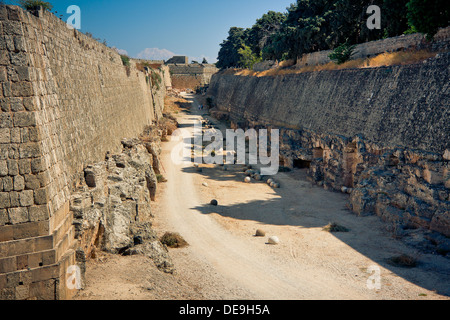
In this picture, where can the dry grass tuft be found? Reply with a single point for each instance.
(403, 260)
(175, 104)
(381, 60)
(173, 240)
(160, 178)
(334, 227)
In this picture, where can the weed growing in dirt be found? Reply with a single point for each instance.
(173, 240)
(160, 178)
(334, 227)
(403, 260)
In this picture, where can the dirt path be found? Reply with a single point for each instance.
(308, 263)
(224, 260)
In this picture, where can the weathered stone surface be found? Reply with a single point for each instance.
(4, 200)
(18, 215)
(400, 174)
(5, 136)
(117, 194)
(38, 213)
(446, 155)
(441, 221)
(26, 198)
(13, 168)
(41, 196)
(66, 100)
(395, 118)
(7, 184)
(3, 168)
(19, 183)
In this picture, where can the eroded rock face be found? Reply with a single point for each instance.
(408, 189)
(112, 208)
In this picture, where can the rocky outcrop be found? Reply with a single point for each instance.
(406, 188)
(112, 205)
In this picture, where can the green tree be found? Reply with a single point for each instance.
(394, 17)
(427, 16)
(306, 27)
(260, 34)
(228, 54)
(348, 22)
(247, 57)
(277, 48)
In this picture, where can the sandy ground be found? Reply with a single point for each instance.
(224, 260)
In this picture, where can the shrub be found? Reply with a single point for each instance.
(247, 57)
(403, 260)
(125, 60)
(160, 178)
(342, 53)
(427, 16)
(156, 80)
(173, 240)
(34, 4)
(334, 227)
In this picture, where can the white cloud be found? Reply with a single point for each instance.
(155, 54)
(121, 51)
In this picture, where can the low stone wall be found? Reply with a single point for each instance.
(373, 48)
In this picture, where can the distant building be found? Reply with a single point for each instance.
(187, 75)
(178, 60)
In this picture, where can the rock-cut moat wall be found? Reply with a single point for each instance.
(66, 100)
(379, 134)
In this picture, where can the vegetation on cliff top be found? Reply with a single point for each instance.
(383, 59)
(310, 26)
(33, 4)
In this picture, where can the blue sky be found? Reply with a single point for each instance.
(194, 28)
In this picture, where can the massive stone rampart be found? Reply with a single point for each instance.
(66, 100)
(191, 76)
(398, 105)
(379, 134)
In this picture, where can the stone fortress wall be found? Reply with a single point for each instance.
(189, 76)
(379, 134)
(66, 100)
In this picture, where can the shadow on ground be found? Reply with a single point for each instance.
(432, 271)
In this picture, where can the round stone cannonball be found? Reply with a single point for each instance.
(274, 240)
(214, 202)
(260, 233)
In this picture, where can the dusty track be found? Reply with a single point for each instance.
(308, 264)
(224, 260)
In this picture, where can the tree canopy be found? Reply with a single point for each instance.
(308, 26)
